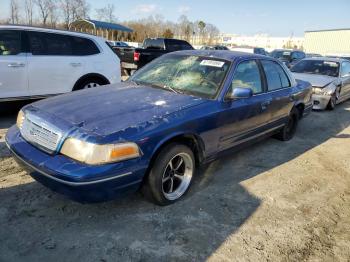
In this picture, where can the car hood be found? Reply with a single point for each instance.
(109, 109)
(315, 80)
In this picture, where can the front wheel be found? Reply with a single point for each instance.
(171, 174)
(288, 131)
(332, 102)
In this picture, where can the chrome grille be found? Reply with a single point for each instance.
(41, 134)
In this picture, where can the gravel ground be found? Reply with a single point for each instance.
(273, 201)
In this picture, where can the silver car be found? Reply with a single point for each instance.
(329, 77)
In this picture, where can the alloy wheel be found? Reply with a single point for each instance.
(177, 176)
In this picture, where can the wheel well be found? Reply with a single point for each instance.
(192, 141)
(300, 107)
(93, 76)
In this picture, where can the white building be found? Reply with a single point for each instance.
(328, 42)
(261, 40)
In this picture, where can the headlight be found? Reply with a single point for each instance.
(94, 154)
(20, 119)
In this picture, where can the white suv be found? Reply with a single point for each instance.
(37, 62)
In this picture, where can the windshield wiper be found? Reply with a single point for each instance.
(172, 89)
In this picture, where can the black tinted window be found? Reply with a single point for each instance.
(49, 44)
(60, 45)
(247, 75)
(275, 75)
(185, 46)
(83, 46)
(153, 44)
(10, 42)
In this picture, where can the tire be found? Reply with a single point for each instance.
(332, 102)
(288, 131)
(170, 177)
(89, 83)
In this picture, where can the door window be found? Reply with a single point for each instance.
(247, 75)
(49, 44)
(10, 42)
(345, 69)
(275, 75)
(83, 46)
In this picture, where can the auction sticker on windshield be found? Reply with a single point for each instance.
(213, 63)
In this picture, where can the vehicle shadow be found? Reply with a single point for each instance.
(43, 225)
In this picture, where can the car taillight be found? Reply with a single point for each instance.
(136, 56)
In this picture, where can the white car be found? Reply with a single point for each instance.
(37, 62)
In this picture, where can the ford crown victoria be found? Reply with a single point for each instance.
(181, 110)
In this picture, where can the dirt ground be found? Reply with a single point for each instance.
(274, 201)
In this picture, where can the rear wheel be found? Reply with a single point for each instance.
(90, 83)
(171, 174)
(288, 131)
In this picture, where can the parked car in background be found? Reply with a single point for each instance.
(214, 47)
(308, 55)
(288, 57)
(343, 56)
(135, 58)
(251, 50)
(118, 44)
(181, 110)
(329, 77)
(37, 62)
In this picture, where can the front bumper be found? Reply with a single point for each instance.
(81, 182)
(320, 102)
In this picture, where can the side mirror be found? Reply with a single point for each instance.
(239, 93)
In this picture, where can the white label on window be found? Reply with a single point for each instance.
(332, 64)
(286, 53)
(212, 63)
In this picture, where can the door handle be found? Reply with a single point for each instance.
(265, 104)
(16, 65)
(75, 64)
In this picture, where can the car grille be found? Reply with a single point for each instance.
(41, 134)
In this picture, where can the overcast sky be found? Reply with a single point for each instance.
(248, 17)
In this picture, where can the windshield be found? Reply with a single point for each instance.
(193, 75)
(318, 67)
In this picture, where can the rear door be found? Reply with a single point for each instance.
(52, 67)
(13, 65)
(279, 90)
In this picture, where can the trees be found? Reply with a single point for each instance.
(73, 9)
(60, 13)
(44, 9)
(28, 10)
(168, 33)
(14, 9)
(106, 13)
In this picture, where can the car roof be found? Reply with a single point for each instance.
(49, 30)
(221, 54)
(329, 59)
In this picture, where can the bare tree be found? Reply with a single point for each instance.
(14, 8)
(73, 9)
(44, 9)
(53, 14)
(28, 10)
(106, 13)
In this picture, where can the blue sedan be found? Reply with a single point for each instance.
(151, 132)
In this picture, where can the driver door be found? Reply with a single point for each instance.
(246, 118)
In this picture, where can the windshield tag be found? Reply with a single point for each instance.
(213, 63)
